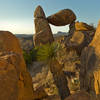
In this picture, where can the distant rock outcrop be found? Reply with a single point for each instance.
(61, 18)
(90, 66)
(43, 33)
(15, 80)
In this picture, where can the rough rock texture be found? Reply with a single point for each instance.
(62, 17)
(81, 26)
(80, 35)
(59, 79)
(90, 66)
(8, 77)
(43, 33)
(8, 42)
(80, 96)
(66, 55)
(13, 69)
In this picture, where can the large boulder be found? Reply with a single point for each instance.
(8, 42)
(61, 18)
(8, 77)
(43, 33)
(90, 66)
(16, 82)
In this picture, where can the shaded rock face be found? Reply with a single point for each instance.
(81, 26)
(18, 83)
(61, 18)
(43, 33)
(80, 35)
(80, 96)
(90, 65)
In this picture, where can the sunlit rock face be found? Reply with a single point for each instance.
(90, 65)
(43, 33)
(15, 80)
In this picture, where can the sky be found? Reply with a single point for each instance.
(16, 16)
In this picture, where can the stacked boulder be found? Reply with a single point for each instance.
(80, 49)
(62, 18)
(81, 34)
(43, 33)
(15, 80)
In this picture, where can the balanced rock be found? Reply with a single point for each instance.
(62, 17)
(90, 66)
(15, 80)
(43, 33)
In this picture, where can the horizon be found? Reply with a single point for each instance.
(17, 15)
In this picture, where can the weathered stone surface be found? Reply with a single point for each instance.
(80, 96)
(8, 42)
(90, 66)
(77, 38)
(62, 17)
(43, 33)
(39, 13)
(81, 26)
(80, 35)
(13, 69)
(96, 41)
(8, 78)
(40, 94)
(43, 38)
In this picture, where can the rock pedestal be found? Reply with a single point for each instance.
(43, 33)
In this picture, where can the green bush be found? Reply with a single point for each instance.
(47, 52)
(42, 53)
(29, 57)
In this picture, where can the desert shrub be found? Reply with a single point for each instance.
(30, 56)
(47, 52)
(27, 57)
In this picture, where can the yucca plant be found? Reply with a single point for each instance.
(48, 53)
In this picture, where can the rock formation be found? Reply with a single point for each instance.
(90, 66)
(80, 50)
(15, 80)
(80, 35)
(43, 33)
(81, 26)
(61, 18)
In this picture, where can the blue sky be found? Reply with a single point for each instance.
(17, 15)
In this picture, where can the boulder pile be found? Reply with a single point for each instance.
(15, 80)
(80, 48)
